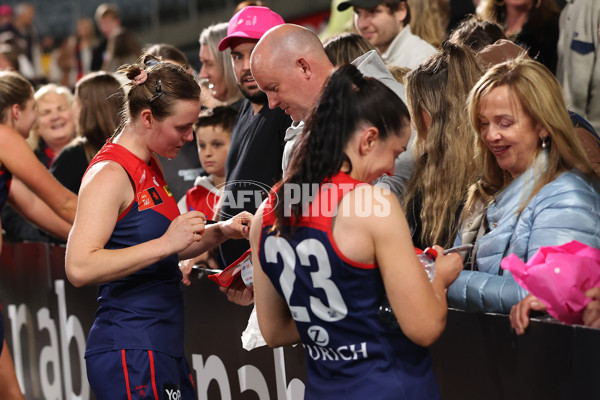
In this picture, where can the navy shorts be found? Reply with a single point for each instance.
(139, 374)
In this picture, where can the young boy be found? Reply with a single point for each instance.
(213, 135)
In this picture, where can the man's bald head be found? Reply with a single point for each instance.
(287, 40)
(291, 66)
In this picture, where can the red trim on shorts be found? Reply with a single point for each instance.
(192, 380)
(152, 375)
(126, 373)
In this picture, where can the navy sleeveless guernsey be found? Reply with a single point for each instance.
(350, 354)
(144, 310)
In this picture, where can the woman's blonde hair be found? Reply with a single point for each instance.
(540, 95)
(446, 164)
(429, 19)
(210, 38)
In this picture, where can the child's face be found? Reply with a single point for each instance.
(213, 145)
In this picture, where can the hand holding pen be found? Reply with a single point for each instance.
(458, 249)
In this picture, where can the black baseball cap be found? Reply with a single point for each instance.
(358, 3)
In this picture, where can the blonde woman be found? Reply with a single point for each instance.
(217, 70)
(537, 186)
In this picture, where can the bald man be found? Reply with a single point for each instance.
(290, 65)
(291, 68)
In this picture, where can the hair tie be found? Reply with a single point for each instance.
(157, 91)
(140, 78)
(207, 112)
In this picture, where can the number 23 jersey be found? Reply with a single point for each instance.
(334, 301)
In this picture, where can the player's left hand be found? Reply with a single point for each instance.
(237, 227)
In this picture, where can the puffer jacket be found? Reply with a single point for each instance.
(565, 209)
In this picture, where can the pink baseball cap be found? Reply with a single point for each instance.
(251, 22)
(5, 10)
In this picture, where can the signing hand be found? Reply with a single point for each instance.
(447, 267)
(183, 231)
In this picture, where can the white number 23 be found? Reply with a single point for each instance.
(337, 309)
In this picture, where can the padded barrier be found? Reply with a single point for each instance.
(46, 321)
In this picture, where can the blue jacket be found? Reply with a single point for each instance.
(565, 209)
